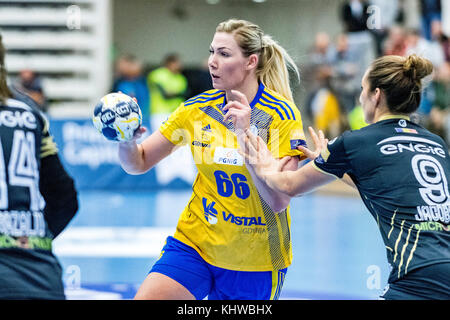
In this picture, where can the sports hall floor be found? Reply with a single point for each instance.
(115, 238)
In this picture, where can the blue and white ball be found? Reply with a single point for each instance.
(117, 117)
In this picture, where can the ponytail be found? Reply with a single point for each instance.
(4, 90)
(274, 61)
(273, 68)
(400, 78)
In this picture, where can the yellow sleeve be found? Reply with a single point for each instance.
(285, 136)
(176, 128)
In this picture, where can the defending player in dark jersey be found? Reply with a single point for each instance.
(400, 169)
(37, 199)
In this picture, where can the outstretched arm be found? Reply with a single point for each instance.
(291, 183)
(139, 158)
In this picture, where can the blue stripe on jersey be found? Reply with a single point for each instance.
(271, 107)
(218, 116)
(203, 95)
(279, 103)
(258, 95)
(203, 99)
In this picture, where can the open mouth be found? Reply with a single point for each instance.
(214, 76)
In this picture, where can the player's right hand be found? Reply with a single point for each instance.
(137, 135)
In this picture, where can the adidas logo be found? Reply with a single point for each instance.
(207, 128)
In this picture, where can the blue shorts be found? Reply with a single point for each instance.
(183, 264)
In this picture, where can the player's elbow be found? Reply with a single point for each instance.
(132, 170)
(132, 167)
(280, 202)
(278, 207)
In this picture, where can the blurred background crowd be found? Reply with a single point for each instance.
(331, 69)
(336, 65)
(332, 72)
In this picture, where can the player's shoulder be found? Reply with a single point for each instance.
(355, 139)
(279, 106)
(205, 98)
(20, 100)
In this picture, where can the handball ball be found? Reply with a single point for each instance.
(117, 117)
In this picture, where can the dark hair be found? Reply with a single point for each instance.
(400, 80)
(4, 90)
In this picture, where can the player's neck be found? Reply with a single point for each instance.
(249, 89)
(389, 115)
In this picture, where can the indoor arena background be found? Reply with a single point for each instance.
(72, 49)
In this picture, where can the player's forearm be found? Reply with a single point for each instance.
(299, 182)
(281, 182)
(277, 200)
(139, 158)
(131, 157)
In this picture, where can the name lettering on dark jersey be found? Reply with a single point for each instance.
(18, 119)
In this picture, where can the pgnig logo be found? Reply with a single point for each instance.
(210, 211)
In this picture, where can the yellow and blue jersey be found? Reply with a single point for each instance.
(226, 220)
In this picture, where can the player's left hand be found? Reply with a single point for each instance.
(238, 109)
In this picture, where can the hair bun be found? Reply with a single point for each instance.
(417, 67)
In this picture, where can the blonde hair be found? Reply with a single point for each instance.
(274, 61)
(400, 78)
(4, 90)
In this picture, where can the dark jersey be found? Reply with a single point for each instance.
(28, 269)
(402, 172)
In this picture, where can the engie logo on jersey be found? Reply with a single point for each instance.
(228, 156)
(400, 144)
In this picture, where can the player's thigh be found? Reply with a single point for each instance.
(158, 286)
(179, 269)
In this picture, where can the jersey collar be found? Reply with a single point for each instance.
(258, 95)
(393, 116)
(255, 99)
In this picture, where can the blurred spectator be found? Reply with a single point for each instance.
(395, 43)
(356, 119)
(199, 79)
(355, 15)
(346, 73)
(30, 83)
(168, 86)
(131, 81)
(439, 119)
(386, 14)
(322, 52)
(438, 35)
(430, 11)
(323, 105)
(401, 16)
(431, 50)
(445, 42)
